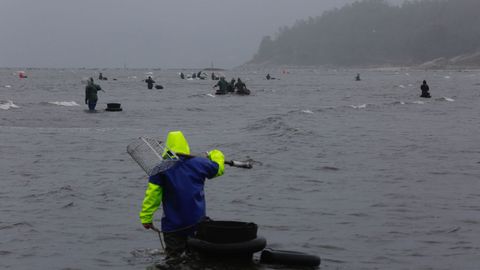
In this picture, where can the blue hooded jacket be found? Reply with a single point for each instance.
(181, 187)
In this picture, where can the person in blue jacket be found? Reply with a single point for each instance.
(180, 190)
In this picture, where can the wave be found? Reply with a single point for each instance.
(64, 103)
(446, 99)
(363, 106)
(8, 86)
(7, 104)
(418, 102)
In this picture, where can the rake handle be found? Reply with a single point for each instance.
(239, 164)
(232, 163)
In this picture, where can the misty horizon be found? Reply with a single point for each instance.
(143, 34)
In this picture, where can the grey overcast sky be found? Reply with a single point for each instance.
(143, 33)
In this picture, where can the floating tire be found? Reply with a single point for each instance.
(113, 107)
(291, 258)
(226, 232)
(229, 249)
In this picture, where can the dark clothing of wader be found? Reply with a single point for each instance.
(222, 87)
(91, 96)
(231, 86)
(150, 83)
(425, 89)
(176, 242)
(242, 88)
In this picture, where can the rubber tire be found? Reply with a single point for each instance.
(247, 247)
(292, 258)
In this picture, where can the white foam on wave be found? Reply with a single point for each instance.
(447, 99)
(447, 77)
(418, 102)
(64, 103)
(401, 86)
(8, 86)
(211, 95)
(307, 111)
(363, 106)
(7, 104)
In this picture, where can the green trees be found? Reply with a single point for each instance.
(372, 32)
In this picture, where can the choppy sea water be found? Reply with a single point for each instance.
(364, 174)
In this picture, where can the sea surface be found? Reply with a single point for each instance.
(364, 174)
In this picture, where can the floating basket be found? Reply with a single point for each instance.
(152, 155)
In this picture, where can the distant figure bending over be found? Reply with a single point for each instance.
(91, 96)
(425, 89)
(357, 78)
(149, 82)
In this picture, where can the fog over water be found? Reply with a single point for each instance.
(145, 33)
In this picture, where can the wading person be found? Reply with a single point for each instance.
(149, 82)
(241, 88)
(91, 96)
(222, 86)
(231, 86)
(425, 90)
(180, 191)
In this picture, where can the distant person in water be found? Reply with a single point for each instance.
(182, 76)
(425, 90)
(201, 75)
(357, 78)
(231, 86)
(100, 76)
(241, 88)
(91, 96)
(222, 86)
(214, 77)
(149, 82)
(194, 75)
(270, 77)
(240, 85)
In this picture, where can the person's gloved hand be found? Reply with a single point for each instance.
(147, 226)
(218, 157)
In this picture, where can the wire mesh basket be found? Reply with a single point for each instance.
(152, 155)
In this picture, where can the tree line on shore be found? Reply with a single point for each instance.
(374, 32)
